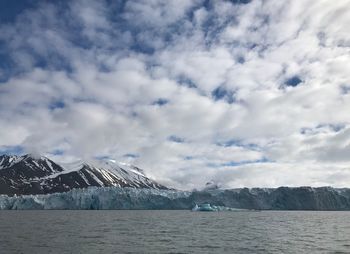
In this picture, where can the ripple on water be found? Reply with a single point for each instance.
(173, 232)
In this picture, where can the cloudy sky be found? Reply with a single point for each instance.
(247, 93)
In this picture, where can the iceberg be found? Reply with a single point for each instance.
(204, 208)
(213, 208)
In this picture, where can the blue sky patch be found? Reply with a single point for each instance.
(345, 89)
(102, 157)
(293, 81)
(131, 155)
(160, 102)
(176, 139)
(56, 105)
(320, 127)
(239, 143)
(186, 82)
(238, 163)
(221, 93)
(57, 152)
(9, 10)
(11, 150)
(240, 1)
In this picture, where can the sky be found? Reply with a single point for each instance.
(247, 93)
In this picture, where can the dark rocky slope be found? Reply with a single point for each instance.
(24, 175)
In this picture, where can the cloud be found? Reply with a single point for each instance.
(248, 93)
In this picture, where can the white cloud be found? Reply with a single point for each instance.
(85, 82)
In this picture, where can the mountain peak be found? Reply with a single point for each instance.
(113, 164)
(36, 174)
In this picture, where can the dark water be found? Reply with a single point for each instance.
(173, 232)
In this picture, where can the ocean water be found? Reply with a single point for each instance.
(174, 232)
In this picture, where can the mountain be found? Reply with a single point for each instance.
(116, 185)
(31, 174)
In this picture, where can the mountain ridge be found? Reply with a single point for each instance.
(29, 174)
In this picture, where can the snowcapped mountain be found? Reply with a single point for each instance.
(30, 174)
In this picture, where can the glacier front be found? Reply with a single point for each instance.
(283, 198)
(96, 198)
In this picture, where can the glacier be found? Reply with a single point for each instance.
(97, 198)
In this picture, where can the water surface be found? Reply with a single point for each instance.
(174, 232)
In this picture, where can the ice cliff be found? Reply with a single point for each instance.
(283, 198)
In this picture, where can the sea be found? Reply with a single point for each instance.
(139, 231)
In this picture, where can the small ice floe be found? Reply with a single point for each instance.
(206, 207)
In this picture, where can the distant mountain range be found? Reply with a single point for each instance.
(113, 185)
(29, 174)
